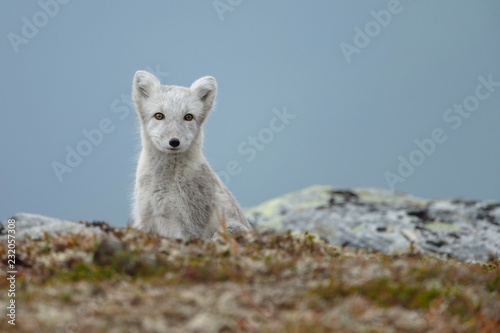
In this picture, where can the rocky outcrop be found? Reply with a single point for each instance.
(35, 226)
(374, 219)
(386, 221)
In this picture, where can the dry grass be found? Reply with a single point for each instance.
(130, 281)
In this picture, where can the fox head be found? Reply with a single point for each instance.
(172, 116)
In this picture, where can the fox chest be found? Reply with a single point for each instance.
(169, 202)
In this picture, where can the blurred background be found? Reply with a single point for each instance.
(392, 94)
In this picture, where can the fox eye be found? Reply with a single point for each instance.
(188, 117)
(159, 116)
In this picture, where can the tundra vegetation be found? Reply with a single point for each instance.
(124, 280)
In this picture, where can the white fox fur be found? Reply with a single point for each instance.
(177, 194)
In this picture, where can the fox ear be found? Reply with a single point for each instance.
(144, 83)
(205, 89)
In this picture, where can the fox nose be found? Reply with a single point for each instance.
(174, 142)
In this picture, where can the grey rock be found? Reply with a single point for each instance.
(386, 221)
(35, 226)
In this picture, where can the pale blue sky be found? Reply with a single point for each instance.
(354, 120)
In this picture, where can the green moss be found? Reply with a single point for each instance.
(423, 299)
(462, 307)
(25, 296)
(334, 289)
(442, 226)
(82, 271)
(383, 291)
(493, 284)
(110, 264)
(359, 227)
(425, 273)
(268, 261)
(317, 196)
(387, 197)
(66, 297)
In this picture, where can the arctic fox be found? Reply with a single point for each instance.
(176, 192)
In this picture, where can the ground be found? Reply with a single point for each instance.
(129, 281)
